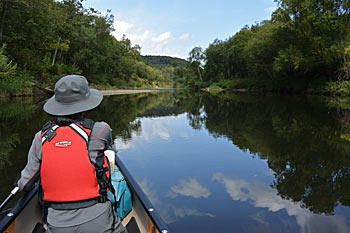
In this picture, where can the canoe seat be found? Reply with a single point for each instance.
(132, 226)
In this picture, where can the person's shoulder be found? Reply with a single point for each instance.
(37, 137)
(100, 124)
(101, 127)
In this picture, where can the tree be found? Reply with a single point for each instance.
(195, 59)
(10, 80)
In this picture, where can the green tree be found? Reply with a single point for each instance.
(10, 80)
(195, 59)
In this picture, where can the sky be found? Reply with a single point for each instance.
(174, 27)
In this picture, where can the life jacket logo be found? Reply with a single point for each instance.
(63, 144)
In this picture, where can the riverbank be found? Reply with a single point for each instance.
(104, 92)
(330, 88)
(125, 92)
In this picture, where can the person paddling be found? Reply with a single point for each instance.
(67, 159)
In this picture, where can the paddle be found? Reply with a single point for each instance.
(9, 197)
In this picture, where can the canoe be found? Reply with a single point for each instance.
(143, 217)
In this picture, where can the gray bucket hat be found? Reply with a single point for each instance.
(72, 95)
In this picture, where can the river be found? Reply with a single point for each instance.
(218, 163)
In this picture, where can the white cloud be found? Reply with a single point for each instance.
(121, 28)
(140, 38)
(164, 37)
(185, 36)
(151, 42)
(261, 195)
(190, 188)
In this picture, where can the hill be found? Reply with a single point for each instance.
(161, 61)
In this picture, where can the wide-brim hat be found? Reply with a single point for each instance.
(72, 95)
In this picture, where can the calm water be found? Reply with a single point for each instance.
(219, 163)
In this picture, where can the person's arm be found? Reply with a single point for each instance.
(100, 140)
(31, 173)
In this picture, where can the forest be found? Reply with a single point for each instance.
(43, 40)
(305, 47)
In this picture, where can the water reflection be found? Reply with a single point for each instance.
(303, 139)
(263, 196)
(169, 212)
(213, 163)
(190, 188)
(19, 120)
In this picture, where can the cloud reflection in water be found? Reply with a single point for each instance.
(261, 195)
(190, 188)
(169, 212)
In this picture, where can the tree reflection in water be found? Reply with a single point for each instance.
(304, 139)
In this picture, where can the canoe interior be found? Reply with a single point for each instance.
(31, 215)
(27, 219)
(27, 212)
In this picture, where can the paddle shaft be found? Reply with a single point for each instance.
(9, 197)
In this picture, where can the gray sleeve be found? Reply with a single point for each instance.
(31, 172)
(100, 140)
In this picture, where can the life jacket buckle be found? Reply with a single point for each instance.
(50, 134)
(102, 199)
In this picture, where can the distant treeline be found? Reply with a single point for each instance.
(179, 71)
(161, 61)
(304, 47)
(42, 40)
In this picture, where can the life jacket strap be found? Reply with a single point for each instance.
(80, 131)
(103, 180)
(88, 123)
(49, 134)
(75, 204)
(46, 126)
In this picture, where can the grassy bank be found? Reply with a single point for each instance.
(334, 88)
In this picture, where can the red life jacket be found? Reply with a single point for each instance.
(67, 174)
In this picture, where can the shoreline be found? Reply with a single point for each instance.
(124, 92)
(104, 92)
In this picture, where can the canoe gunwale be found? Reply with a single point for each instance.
(17, 209)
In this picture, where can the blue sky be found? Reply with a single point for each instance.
(174, 27)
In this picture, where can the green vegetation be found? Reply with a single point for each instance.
(163, 61)
(169, 70)
(10, 80)
(305, 47)
(181, 72)
(46, 39)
